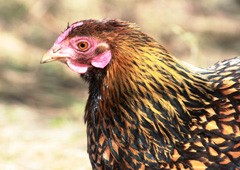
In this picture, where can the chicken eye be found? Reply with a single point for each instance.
(83, 46)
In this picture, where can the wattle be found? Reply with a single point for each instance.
(100, 61)
(77, 67)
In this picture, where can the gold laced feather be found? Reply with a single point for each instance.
(150, 111)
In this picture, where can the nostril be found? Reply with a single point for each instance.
(56, 49)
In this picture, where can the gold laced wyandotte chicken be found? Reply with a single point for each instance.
(146, 109)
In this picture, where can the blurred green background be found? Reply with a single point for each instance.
(42, 106)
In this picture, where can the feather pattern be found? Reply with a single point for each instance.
(158, 114)
(147, 110)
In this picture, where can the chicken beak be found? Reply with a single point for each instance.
(48, 57)
(53, 55)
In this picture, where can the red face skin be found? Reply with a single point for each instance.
(79, 52)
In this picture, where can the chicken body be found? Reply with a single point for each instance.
(146, 109)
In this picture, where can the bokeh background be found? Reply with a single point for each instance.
(42, 106)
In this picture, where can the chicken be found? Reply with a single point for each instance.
(146, 109)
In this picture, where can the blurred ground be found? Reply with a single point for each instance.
(41, 106)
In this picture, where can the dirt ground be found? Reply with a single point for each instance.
(30, 141)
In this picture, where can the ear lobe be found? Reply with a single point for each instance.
(101, 48)
(102, 60)
(103, 56)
